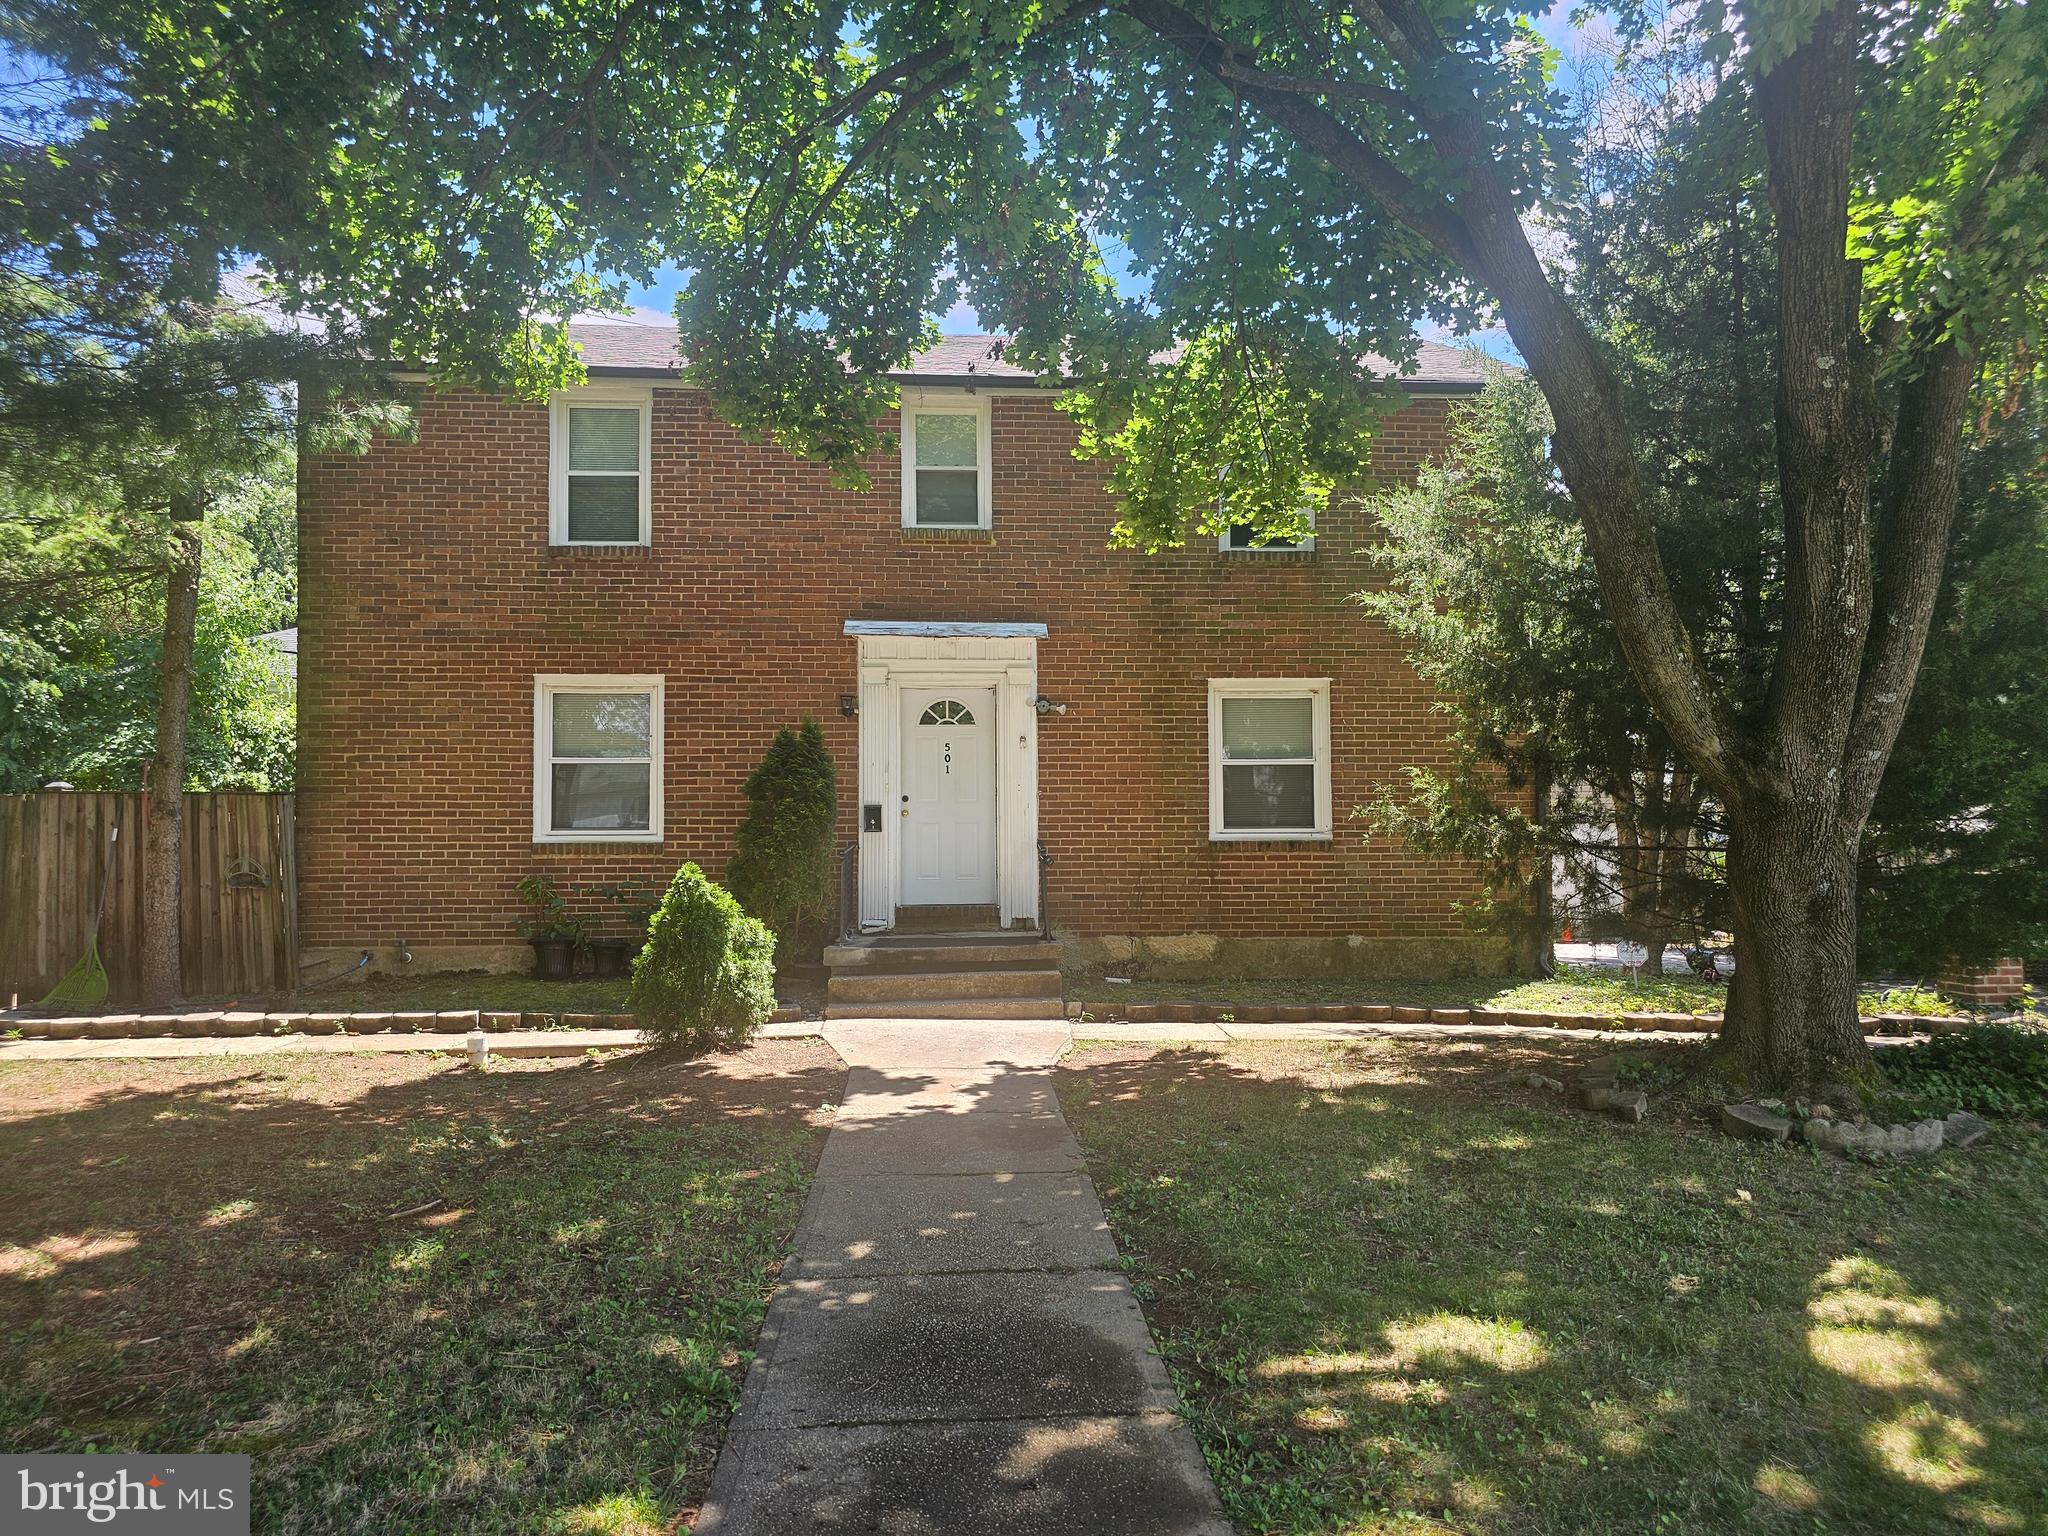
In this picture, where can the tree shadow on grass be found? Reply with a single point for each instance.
(1392, 1280)
(417, 1295)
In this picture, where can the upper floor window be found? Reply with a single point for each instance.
(1269, 759)
(945, 459)
(1241, 538)
(599, 457)
(596, 759)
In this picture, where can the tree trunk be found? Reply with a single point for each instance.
(1791, 1018)
(163, 979)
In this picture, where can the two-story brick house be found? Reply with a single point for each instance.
(557, 638)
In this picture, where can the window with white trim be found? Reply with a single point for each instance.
(1269, 759)
(597, 759)
(598, 451)
(1241, 538)
(946, 481)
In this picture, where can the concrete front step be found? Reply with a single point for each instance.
(952, 1008)
(1013, 954)
(862, 986)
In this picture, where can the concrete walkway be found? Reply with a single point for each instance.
(951, 1349)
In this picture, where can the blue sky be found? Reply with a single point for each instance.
(1555, 24)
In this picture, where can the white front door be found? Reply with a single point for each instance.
(948, 810)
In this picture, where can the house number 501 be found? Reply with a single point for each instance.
(949, 757)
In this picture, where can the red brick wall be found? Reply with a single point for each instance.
(430, 599)
(1996, 985)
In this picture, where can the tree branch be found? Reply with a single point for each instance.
(1926, 467)
(1829, 425)
(1593, 446)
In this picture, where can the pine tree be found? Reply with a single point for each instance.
(783, 869)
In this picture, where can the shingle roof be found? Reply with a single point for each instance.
(639, 346)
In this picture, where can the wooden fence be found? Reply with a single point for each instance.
(238, 926)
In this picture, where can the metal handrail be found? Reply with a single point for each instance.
(849, 910)
(1044, 912)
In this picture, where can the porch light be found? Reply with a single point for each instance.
(849, 705)
(1047, 706)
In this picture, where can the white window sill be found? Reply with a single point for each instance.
(1272, 837)
(602, 840)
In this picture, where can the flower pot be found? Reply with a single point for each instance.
(554, 959)
(610, 957)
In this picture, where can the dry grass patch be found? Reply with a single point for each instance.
(421, 1297)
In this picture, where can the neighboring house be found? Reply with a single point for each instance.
(558, 637)
(282, 647)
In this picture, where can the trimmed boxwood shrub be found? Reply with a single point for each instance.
(706, 980)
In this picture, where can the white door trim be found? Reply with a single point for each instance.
(888, 664)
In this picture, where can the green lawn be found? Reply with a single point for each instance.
(1400, 1290)
(1574, 989)
(213, 1255)
(494, 992)
(466, 989)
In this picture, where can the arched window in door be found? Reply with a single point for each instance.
(946, 712)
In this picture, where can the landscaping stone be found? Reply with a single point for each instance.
(1752, 1122)
(1549, 1084)
(112, 1026)
(582, 1021)
(1489, 1015)
(367, 1023)
(1258, 1013)
(1643, 1020)
(1606, 1068)
(1375, 1013)
(632, 1020)
(323, 1023)
(1295, 1013)
(1143, 1013)
(1450, 1015)
(1854, 1139)
(450, 1021)
(1629, 1104)
(239, 1025)
(195, 1026)
(1411, 1015)
(1527, 1020)
(415, 1023)
(62, 1029)
(1963, 1129)
(502, 1021)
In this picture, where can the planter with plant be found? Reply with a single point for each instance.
(636, 901)
(554, 932)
